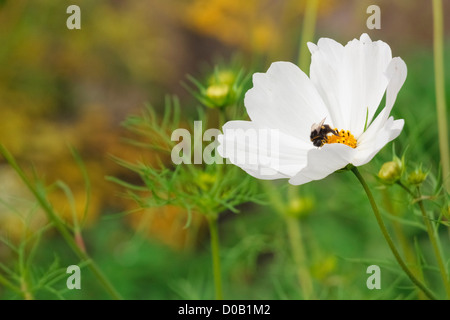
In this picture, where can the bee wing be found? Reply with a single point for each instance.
(317, 126)
(321, 122)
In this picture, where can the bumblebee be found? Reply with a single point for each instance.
(319, 133)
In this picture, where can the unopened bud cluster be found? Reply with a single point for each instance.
(392, 171)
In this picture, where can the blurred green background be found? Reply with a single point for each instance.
(61, 87)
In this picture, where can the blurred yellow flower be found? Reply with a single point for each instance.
(254, 25)
(233, 22)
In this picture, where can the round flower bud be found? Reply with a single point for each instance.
(223, 77)
(218, 94)
(299, 207)
(417, 176)
(390, 172)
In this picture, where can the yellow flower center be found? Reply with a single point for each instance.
(344, 137)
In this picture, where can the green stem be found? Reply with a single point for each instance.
(388, 238)
(401, 237)
(215, 251)
(436, 248)
(295, 237)
(222, 117)
(59, 225)
(405, 188)
(27, 295)
(274, 197)
(298, 251)
(432, 235)
(438, 34)
(410, 258)
(24, 285)
(309, 26)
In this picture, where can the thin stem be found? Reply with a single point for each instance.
(400, 235)
(309, 26)
(432, 235)
(438, 34)
(388, 237)
(222, 116)
(434, 242)
(27, 295)
(274, 197)
(405, 188)
(298, 251)
(59, 225)
(24, 285)
(215, 251)
(295, 237)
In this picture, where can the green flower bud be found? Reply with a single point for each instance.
(417, 176)
(300, 207)
(221, 89)
(218, 94)
(223, 77)
(390, 172)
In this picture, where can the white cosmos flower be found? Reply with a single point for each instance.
(346, 86)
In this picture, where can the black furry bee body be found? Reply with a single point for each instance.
(319, 133)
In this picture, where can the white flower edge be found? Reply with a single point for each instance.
(331, 157)
(284, 98)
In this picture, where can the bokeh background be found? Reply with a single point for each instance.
(61, 88)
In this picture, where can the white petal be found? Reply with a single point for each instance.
(376, 139)
(396, 73)
(286, 99)
(351, 79)
(325, 73)
(262, 152)
(323, 162)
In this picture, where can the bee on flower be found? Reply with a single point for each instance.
(324, 122)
